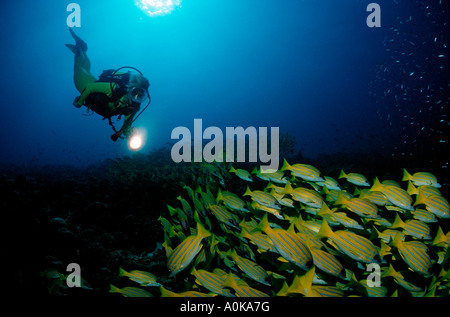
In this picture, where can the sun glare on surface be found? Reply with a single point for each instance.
(157, 7)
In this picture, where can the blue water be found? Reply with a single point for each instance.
(312, 68)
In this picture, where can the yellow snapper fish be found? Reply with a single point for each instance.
(330, 183)
(421, 178)
(261, 240)
(339, 217)
(273, 211)
(250, 268)
(355, 178)
(396, 195)
(141, 277)
(262, 198)
(427, 190)
(415, 228)
(361, 207)
(223, 215)
(325, 261)
(287, 244)
(304, 171)
(242, 174)
(438, 205)
(414, 253)
(129, 291)
(281, 199)
(377, 198)
(211, 281)
(274, 176)
(355, 246)
(231, 200)
(186, 251)
(306, 196)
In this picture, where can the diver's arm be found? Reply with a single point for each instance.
(100, 87)
(126, 127)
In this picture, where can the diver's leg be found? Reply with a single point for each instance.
(82, 65)
(82, 72)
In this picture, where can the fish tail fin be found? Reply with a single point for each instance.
(255, 171)
(201, 231)
(113, 289)
(392, 272)
(232, 170)
(325, 230)
(398, 222)
(219, 196)
(122, 272)
(377, 186)
(166, 292)
(285, 166)
(406, 175)
(307, 279)
(232, 253)
(247, 191)
(287, 189)
(397, 242)
(340, 199)
(385, 249)
(440, 236)
(412, 190)
(342, 174)
(264, 224)
(420, 199)
(324, 210)
(230, 282)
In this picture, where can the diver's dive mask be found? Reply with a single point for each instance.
(137, 94)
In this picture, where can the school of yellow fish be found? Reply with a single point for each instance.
(295, 232)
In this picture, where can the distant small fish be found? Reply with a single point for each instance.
(141, 277)
(262, 198)
(361, 207)
(355, 178)
(306, 196)
(242, 174)
(421, 178)
(232, 201)
(304, 171)
(329, 183)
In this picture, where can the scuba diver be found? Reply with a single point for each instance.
(115, 93)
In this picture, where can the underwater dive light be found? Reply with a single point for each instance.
(136, 140)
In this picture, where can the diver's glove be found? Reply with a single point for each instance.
(75, 102)
(116, 135)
